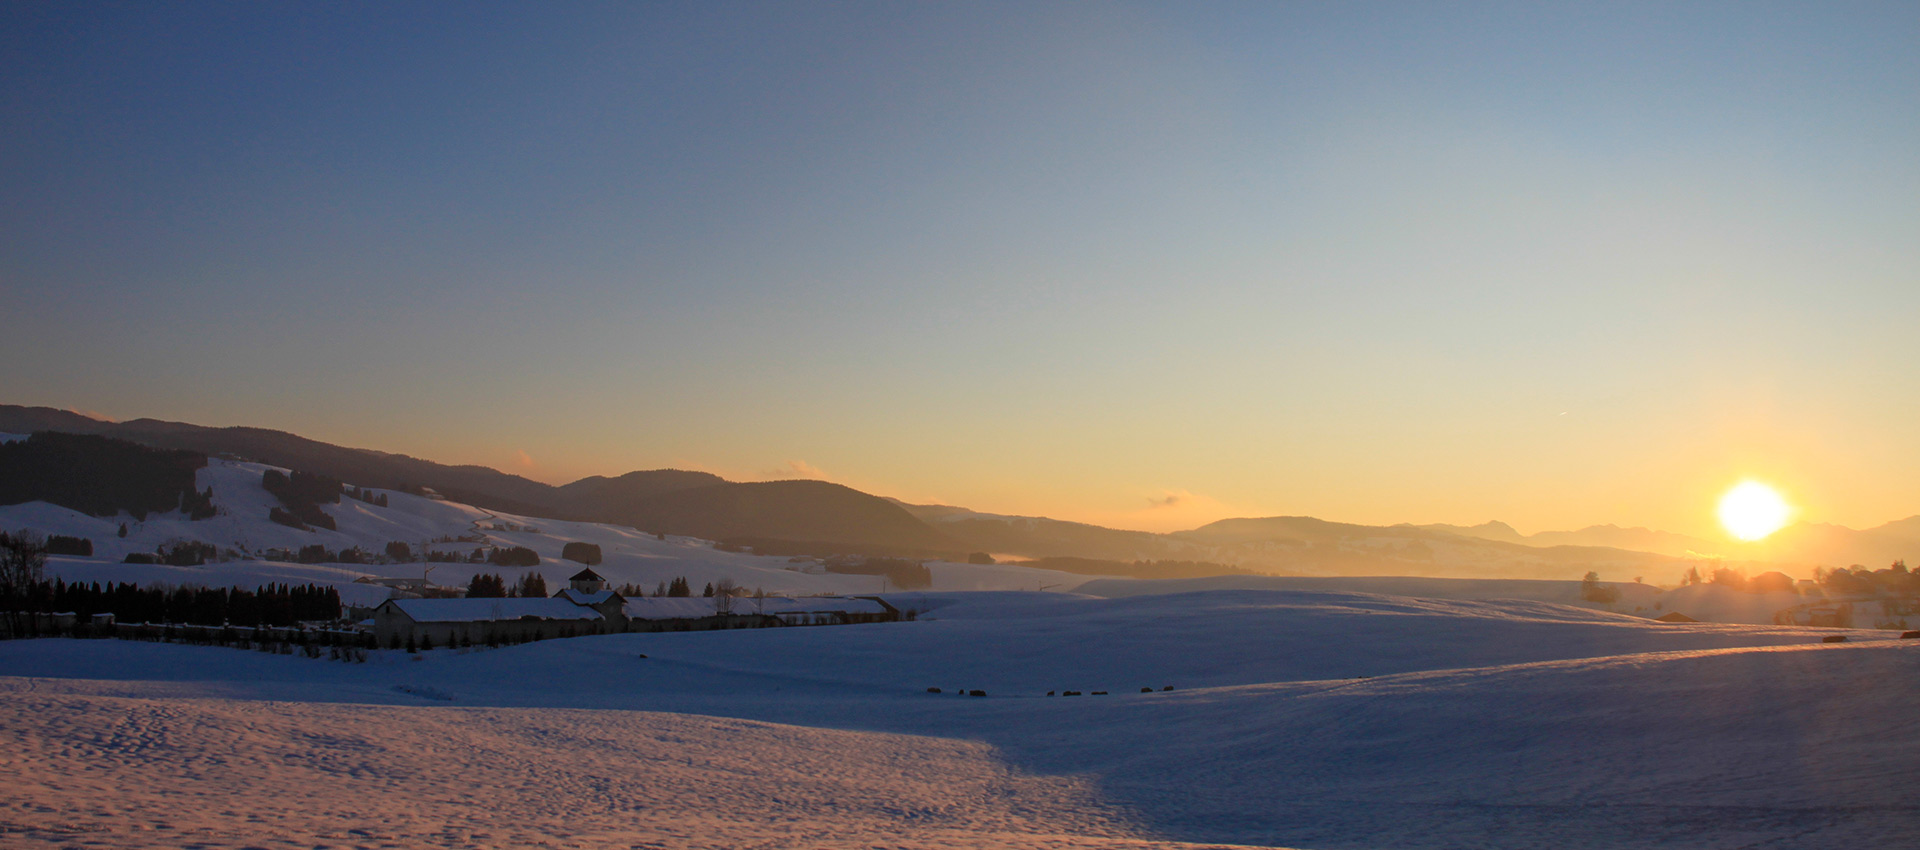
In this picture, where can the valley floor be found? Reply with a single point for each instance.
(1299, 719)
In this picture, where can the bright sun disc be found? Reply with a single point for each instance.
(1753, 510)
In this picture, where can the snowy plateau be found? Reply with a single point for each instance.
(1239, 711)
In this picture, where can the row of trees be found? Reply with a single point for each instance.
(1857, 580)
(301, 494)
(101, 476)
(306, 517)
(492, 586)
(378, 500)
(1895, 580)
(59, 544)
(1767, 582)
(902, 573)
(268, 605)
(176, 553)
(513, 556)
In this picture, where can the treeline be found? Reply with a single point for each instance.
(900, 572)
(178, 553)
(301, 494)
(269, 605)
(60, 544)
(398, 552)
(101, 476)
(1896, 580)
(1137, 569)
(492, 586)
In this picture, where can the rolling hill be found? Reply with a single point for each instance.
(816, 517)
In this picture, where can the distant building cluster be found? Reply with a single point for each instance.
(587, 606)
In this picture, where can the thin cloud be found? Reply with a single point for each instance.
(524, 460)
(1170, 499)
(1171, 510)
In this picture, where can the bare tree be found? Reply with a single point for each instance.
(723, 596)
(23, 561)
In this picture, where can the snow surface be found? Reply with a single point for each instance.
(1307, 712)
(1300, 718)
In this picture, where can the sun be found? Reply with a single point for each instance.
(1753, 510)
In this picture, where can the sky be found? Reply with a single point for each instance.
(1144, 265)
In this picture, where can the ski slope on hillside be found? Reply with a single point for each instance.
(1324, 720)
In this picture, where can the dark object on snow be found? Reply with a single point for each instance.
(1049, 693)
(1146, 690)
(584, 553)
(1834, 639)
(933, 690)
(1099, 693)
(101, 476)
(641, 655)
(515, 556)
(1674, 617)
(1909, 635)
(62, 545)
(1069, 693)
(1167, 688)
(976, 693)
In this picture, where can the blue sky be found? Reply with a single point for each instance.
(1146, 265)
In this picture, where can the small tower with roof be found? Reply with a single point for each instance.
(587, 581)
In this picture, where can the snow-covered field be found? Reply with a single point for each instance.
(1299, 718)
(1314, 713)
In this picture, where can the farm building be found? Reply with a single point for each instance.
(445, 622)
(587, 588)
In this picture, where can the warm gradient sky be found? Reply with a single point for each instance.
(1142, 265)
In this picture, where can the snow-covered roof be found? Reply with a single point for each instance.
(488, 609)
(579, 598)
(686, 607)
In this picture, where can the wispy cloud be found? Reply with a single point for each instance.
(522, 459)
(1171, 509)
(1171, 498)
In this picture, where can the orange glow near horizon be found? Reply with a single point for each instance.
(1752, 510)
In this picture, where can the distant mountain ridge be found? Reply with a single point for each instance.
(1801, 544)
(816, 517)
(668, 501)
(1612, 536)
